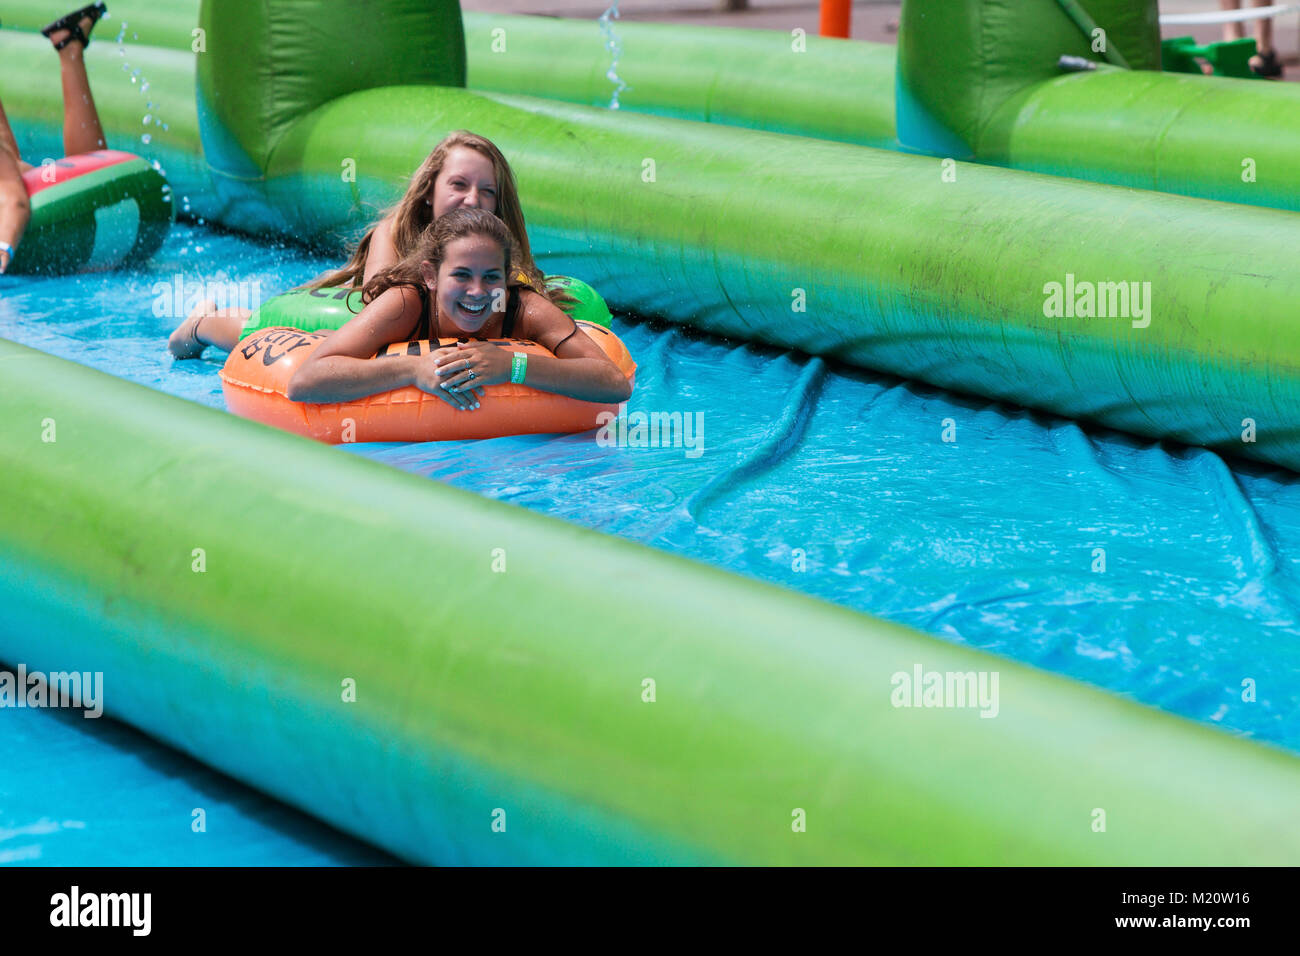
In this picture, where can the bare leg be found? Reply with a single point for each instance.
(1232, 31)
(207, 325)
(82, 132)
(15, 210)
(1264, 30)
(7, 141)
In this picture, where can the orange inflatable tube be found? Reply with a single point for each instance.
(256, 377)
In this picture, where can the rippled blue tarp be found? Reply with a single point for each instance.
(840, 483)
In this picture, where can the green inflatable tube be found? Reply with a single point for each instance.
(237, 591)
(760, 79)
(93, 212)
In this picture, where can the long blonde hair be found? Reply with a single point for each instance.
(414, 213)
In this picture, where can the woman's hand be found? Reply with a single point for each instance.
(436, 373)
(471, 365)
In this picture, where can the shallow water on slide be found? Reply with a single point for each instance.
(825, 479)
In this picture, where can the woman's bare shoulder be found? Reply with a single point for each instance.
(542, 321)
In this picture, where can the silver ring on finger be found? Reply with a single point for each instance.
(472, 373)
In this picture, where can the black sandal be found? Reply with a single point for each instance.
(72, 23)
(1269, 67)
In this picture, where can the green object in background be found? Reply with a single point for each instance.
(585, 305)
(267, 66)
(520, 699)
(761, 79)
(1098, 39)
(311, 310)
(960, 60)
(1228, 57)
(997, 95)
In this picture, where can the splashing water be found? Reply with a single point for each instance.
(142, 84)
(615, 47)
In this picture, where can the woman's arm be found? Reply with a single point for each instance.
(578, 369)
(383, 254)
(344, 367)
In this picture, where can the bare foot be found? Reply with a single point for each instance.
(185, 342)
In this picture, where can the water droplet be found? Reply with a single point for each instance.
(200, 220)
(148, 105)
(199, 248)
(146, 138)
(144, 86)
(165, 127)
(135, 36)
(147, 120)
(134, 80)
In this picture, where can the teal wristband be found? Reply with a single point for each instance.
(518, 367)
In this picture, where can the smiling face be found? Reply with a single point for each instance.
(466, 179)
(470, 280)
